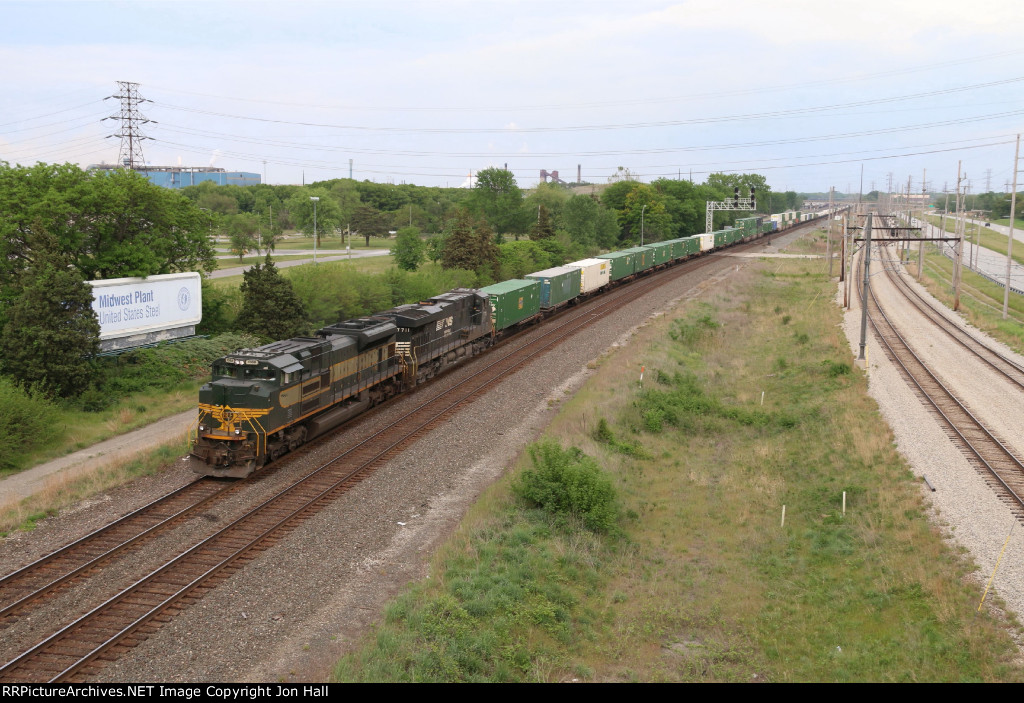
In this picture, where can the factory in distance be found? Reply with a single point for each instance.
(181, 176)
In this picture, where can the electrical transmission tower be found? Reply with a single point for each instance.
(131, 125)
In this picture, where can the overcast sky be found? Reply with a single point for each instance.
(425, 93)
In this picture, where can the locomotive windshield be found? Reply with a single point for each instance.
(246, 373)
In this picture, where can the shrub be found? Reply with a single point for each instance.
(693, 331)
(27, 421)
(162, 367)
(567, 482)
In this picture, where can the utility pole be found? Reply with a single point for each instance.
(867, 282)
(906, 246)
(959, 240)
(828, 233)
(924, 201)
(1013, 213)
(860, 195)
(130, 156)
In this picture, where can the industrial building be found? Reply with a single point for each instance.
(181, 176)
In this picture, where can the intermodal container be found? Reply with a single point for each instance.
(691, 245)
(678, 249)
(594, 273)
(512, 301)
(557, 285)
(643, 258)
(662, 252)
(707, 241)
(621, 262)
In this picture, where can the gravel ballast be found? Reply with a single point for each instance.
(292, 612)
(963, 505)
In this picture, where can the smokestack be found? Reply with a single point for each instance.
(579, 173)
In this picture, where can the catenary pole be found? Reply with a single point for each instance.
(924, 200)
(867, 280)
(1013, 213)
(957, 274)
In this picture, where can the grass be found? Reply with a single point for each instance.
(80, 429)
(332, 243)
(372, 264)
(701, 581)
(981, 300)
(988, 239)
(67, 488)
(250, 260)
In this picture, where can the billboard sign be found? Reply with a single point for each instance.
(133, 306)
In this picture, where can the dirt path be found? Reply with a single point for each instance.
(120, 448)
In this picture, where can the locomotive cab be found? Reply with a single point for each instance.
(234, 408)
(262, 403)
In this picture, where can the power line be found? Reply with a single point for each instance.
(612, 103)
(596, 127)
(627, 152)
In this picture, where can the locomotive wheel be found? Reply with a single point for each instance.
(297, 439)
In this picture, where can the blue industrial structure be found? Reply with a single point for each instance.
(181, 176)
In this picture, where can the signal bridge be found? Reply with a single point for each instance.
(737, 203)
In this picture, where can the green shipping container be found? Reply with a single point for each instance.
(662, 252)
(557, 285)
(512, 301)
(622, 263)
(643, 258)
(691, 245)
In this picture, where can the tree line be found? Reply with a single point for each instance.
(62, 226)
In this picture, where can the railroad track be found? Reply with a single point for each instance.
(996, 462)
(83, 646)
(1008, 368)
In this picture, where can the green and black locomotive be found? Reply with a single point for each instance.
(264, 402)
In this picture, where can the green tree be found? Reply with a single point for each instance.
(469, 244)
(436, 246)
(242, 230)
(301, 210)
(614, 196)
(270, 308)
(369, 222)
(51, 330)
(552, 196)
(643, 217)
(499, 201)
(218, 202)
(409, 249)
(726, 183)
(542, 229)
(606, 229)
(112, 224)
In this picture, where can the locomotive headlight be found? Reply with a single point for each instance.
(238, 432)
(202, 429)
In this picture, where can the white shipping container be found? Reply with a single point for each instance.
(707, 242)
(594, 273)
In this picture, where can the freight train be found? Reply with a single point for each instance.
(264, 402)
